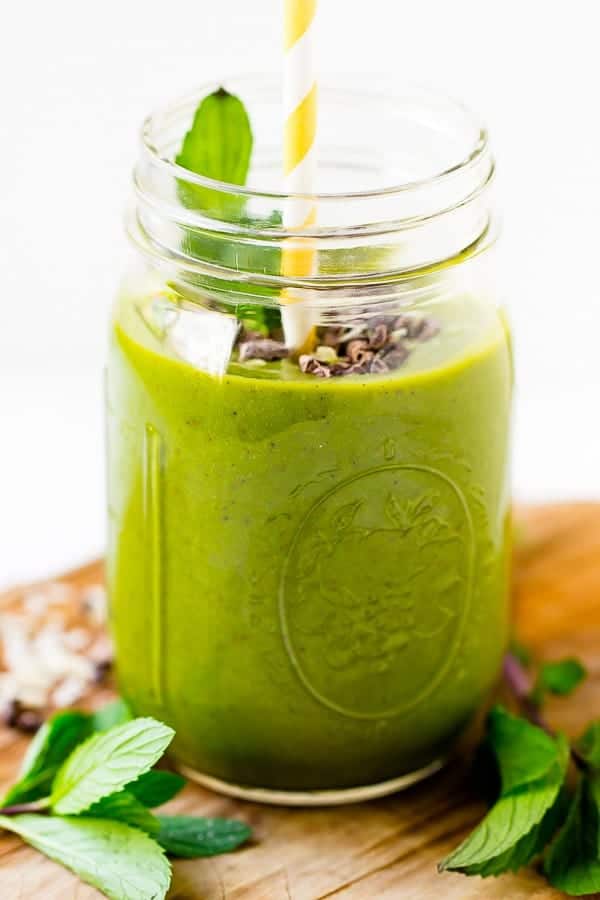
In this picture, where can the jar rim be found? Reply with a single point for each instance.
(480, 146)
(363, 235)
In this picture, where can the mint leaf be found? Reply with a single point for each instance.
(51, 746)
(219, 143)
(560, 677)
(191, 836)
(122, 862)
(509, 820)
(115, 713)
(530, 846)
(573, 862)
(588, 745)
(107, 762)
(523, 751)
(532, 771)
(157, 787)
(218, 146)
(124, 807)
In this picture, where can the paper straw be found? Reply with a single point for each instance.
(299, 159)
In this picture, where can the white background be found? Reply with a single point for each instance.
(77, 78)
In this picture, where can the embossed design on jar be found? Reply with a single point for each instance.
(370, 620)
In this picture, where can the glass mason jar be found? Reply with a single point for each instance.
(308, 551)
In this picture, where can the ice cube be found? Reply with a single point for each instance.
(204, 338)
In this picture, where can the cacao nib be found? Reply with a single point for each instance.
(378, 336)
(310, 365)
(420, 329)
(266, 349)
(378, 365)
(430, 329)
(357, 349)
(396, 355)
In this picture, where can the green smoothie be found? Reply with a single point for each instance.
(308, 576)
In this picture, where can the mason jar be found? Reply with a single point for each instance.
(308, 549)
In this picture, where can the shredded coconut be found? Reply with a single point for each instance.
(53, 650)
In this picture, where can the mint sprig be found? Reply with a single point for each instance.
(536, 814)
(84, 796)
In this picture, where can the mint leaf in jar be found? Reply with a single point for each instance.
(218, 146)
(219, 142)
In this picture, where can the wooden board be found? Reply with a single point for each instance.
(389, 848)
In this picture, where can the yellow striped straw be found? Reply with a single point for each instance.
(299, 158)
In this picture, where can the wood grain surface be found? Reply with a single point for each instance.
(388, 848)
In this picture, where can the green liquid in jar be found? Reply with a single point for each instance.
(308, 577)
